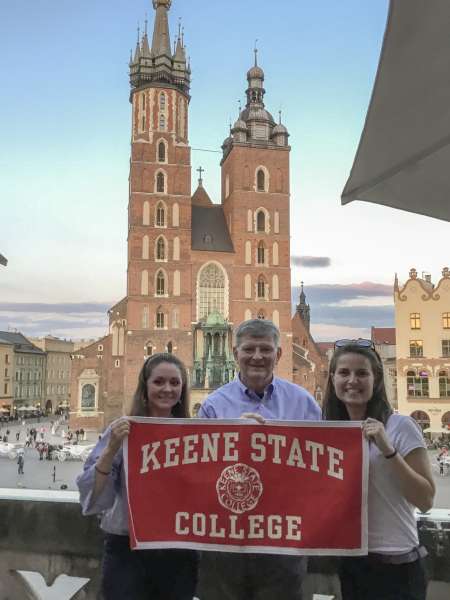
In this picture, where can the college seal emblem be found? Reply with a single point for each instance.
(239, 488)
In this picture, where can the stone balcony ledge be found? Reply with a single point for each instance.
(43, 532)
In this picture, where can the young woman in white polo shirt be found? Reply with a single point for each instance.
(399, 478)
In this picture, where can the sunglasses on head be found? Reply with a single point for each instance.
(361, 342)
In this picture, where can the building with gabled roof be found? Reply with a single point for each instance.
(422, 322)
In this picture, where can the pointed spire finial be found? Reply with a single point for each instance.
(200, 170)
(146, 23)
(239, 106)
(182, 36)
(279, 114)
(256, 53)
(179, 27)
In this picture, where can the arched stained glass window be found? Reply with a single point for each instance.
(160, 249)
(261, 221)
(160, 183)
(261, 253)
(160, 215)
(261, 292)
(161, 152)
(261, 181)
(212, 290)
(160, 320)
(160, 284)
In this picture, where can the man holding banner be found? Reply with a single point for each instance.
(256, 393)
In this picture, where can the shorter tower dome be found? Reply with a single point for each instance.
(280, 128)
(239, 131)
(240, 125)
(255, 72)
(280, 134)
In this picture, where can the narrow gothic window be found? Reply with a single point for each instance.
(149, 350)
(160, 284)
(160, 249)
(162, 152)
(260, 221)
(261, 287)
(160, 319)
(261, 253)
(162, 101)
(169, 347)
(160, 215)
(260, 181)
(160, 183)
(143, 124)
(162, 122)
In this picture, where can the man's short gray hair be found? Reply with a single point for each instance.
(257, 328)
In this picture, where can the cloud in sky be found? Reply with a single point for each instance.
(336, 311)
(347, 310)
(311, 262)
(66, 320)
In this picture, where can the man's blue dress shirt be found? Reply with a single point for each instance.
(282, 400)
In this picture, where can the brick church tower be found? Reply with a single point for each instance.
(195, 268)
(159, 216)
(255, 198)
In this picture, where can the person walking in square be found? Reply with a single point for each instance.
(255, 393)
(20, 463)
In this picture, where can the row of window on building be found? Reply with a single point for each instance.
(415, 320)
(29, 378)
(258, 221)
(57, 388)
(27, 391)
(29, 360)
(161, 251)
(418, 384)
(260, 288)
(416, 348)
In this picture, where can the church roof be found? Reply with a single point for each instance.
(209, 229)
(200, 197)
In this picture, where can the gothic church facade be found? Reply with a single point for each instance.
(196, 268)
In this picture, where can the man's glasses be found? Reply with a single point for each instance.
(361, 342)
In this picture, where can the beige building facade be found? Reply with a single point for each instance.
(57, 375)
(6, 377)
(422, 319)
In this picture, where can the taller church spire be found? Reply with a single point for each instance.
(161, 36)
(158, 64)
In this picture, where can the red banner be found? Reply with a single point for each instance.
(286, 487)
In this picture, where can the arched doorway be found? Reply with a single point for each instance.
(48, 407)
(446, 420)
(422, 418)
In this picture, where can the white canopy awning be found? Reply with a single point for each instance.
(403, 158)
